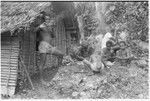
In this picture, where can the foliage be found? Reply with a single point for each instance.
(132, 16)
(87, 11)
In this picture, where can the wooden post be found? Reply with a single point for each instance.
(27, 73)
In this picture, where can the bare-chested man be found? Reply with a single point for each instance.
(45, 47)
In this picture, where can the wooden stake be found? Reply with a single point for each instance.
(27, 73)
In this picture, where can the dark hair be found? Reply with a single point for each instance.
(109, 43)
(119, 30)
(43, 13)
(123, 43)
(42, 16)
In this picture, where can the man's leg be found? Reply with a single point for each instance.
(42, 64)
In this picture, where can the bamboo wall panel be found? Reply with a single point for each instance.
(28, 50)
(25, 47)
(59, 41)
(9, 64)
(32, 59)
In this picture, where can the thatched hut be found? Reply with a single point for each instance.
(18, 37)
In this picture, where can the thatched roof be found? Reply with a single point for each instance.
(16, 14)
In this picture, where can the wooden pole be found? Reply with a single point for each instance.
(26, 71)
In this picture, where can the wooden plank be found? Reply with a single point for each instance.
(9, 62)
(3, 85)
(10, 78)
(12, 65)
(9, 47)
(7, 73)
(10, 43)
(10, 84)
(8, 55)
(10, 81)
(7, 67)
(12, 57)
(7, 70)
(9, 52)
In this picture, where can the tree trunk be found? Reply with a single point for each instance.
(81, 30)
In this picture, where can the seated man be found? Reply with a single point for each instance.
(107, 55)
(45, 36)
(109, 52)
(124, 52)
(124, 55)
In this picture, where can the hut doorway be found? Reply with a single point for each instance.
(38, 39)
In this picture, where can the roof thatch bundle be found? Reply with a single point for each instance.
(16, 14)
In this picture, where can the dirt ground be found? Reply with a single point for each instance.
(77, 81)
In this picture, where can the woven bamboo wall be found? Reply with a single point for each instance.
(32, 59)
(9, 63)
(62, 40)
(59, 41)
(28, 49)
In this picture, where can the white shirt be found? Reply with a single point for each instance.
(106, 37)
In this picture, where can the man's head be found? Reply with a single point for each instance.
(40, 19)
(118, 31)
(122, 44)
(109, 44)
(45, 29)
